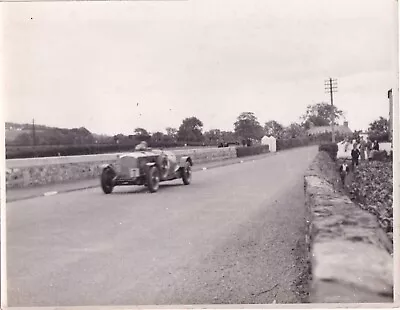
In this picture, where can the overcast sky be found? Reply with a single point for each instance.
(72, 64)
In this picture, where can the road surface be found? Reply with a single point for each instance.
(235, 235)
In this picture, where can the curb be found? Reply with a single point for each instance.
(196, 168)
(52, 193)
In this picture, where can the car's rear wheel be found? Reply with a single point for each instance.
(153, 179)
(187, 173)
(107, 184)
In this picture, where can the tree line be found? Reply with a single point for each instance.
(246, 127)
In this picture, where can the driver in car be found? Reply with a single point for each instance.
(142, 146)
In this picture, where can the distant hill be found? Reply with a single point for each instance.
(12, 134)
(17, 126)
(22, 134)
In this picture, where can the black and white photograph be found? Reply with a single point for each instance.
(199, 152)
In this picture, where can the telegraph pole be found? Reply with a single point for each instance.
(331, 87)
(33, 132)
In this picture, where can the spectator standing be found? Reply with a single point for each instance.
(356, 144)
(369, 147)
(363, 146)
(344, 171)
(347, 144)
(355, 154)
(376, 146)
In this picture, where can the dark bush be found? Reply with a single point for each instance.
(242, 151)
(379, 136)
(283, 144)
(330, 148)
(379, 155)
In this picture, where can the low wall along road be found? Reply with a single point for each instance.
(29, 172)
(350, 255)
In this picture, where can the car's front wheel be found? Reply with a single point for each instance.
(107, 177)
(187, 173)
(153, 179)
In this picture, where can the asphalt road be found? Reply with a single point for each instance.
(235, 235)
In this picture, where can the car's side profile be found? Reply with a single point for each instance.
(147, 167)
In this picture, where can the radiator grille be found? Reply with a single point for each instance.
(127, 163)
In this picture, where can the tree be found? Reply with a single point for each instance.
(356, 135)
(248, 127)
(379, 130)
(273, 128)
(171, 132)
(380, 125)
(294, 130)
(141, 134)
(213, 135)
(191, 130)
(157, 137)
(320, 115)
(121, 139)
(228, 136)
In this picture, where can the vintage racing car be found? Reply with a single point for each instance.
(147, 167)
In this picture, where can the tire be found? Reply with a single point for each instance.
(187, 173)
(107, 177)
(153, 179)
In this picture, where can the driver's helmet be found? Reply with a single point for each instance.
(142, 146)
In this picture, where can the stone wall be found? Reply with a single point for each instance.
(349, 253)
(49, 170)
(206, 155)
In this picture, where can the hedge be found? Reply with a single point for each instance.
(70, 150)
(330, 148)
(381, 155)
(380, 137)
(283, 144)
(242, 151)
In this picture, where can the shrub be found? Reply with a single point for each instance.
(330, 148)
(242, 151)
(379, 136)
(322, 138)
(379, 155)
(283, 144)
